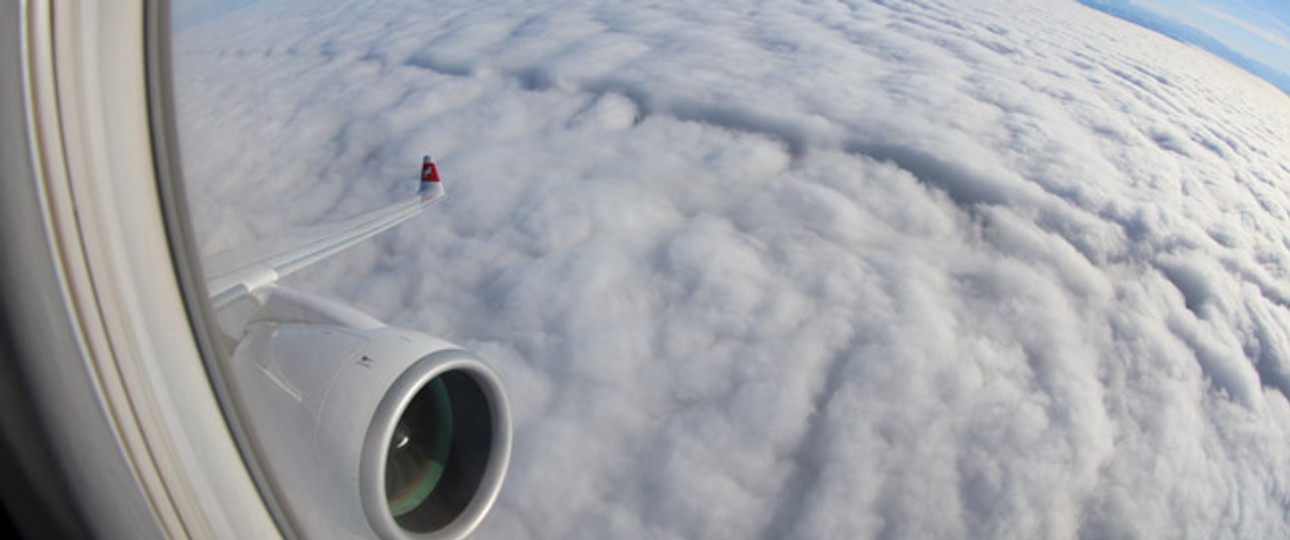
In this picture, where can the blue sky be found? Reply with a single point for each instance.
(1258, 30)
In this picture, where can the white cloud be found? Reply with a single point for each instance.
(798, 271)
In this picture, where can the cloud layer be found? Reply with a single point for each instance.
(797, 271)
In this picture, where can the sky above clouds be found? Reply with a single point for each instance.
(1259, 27)
(1253, 34)
(796, 270)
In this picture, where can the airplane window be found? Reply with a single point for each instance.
(791, 270)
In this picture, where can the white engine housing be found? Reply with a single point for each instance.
(323, 388)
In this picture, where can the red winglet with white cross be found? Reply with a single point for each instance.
(429, 173)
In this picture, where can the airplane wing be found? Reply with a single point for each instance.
(241, 271)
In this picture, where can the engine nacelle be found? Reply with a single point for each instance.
(365, 429)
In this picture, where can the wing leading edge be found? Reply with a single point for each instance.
(239, 272)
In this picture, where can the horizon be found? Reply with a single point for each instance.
(1253, 35)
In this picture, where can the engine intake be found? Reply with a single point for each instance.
(433, 449)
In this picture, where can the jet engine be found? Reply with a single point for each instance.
(365, 429)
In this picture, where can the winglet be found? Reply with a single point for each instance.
(430, 186)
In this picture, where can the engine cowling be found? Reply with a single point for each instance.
(365, 429)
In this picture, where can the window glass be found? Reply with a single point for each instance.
(798, 270)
